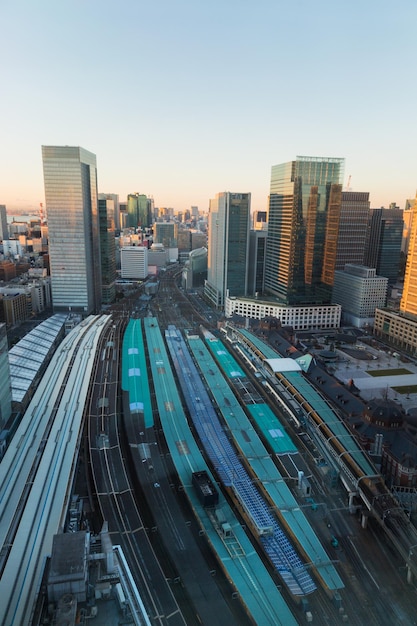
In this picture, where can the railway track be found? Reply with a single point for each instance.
(35, 493)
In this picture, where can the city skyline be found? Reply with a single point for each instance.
(182, 101)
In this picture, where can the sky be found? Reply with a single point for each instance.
(182, 99)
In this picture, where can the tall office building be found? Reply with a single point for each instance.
(359, 291)
(138, 211)
(166, 233)
(228, 246)
(4, 230)
(384, 240)
(260, 220)
(256, 265)
(107, 249)
(113, 207)
(303, 222)
(70, 178)
(351, 242)
(407, 219)
(408, 304)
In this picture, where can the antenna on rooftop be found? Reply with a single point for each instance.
(348, 183)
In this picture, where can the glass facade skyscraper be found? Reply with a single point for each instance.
(303, 222)
(228, 246)
(4, 230)
(384, 239)
(70, 178)
(138, 211)
(409, 299)
(107, 250)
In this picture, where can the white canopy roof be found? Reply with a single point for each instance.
(283, 365)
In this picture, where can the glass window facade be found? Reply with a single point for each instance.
(228, 246)
(409, 298)
(304, 212)
(70, 178)
(107, 250)
(138, 211)
(384, 239)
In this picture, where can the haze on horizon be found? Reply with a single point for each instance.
(183, 100)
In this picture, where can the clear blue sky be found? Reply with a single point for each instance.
(183, 99)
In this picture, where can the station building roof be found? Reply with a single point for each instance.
(28, 356)
(283, 365)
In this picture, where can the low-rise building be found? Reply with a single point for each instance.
(299, 317)
(397, 329)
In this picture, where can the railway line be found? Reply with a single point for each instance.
(115, 495)
(35, 493)
(33, 500)
(359, 477)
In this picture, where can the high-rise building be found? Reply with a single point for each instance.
(195, 269)
(408, 303)
(256, 265)
(260, 220)
(359, 291)
(107, 249)
(303, 222)
(228, 246)
(138, 211)
(113, 207)
(351, 241)
(384, 239)
(123, 215)
(407, 218)
(166, 233)
(70, 178)
(198, 239)
(4, 230)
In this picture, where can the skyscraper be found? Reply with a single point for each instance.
(256, 265)
(107, 249)
(228, 246)
(138, 211)
(166, 233)
(4, 230)
(113, 207)
(384, 239)
(70, 178)
(408, 304)
(303, 222)
(354, 215)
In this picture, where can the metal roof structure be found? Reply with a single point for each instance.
(288, 509)
(239, 559)
(134, 374)
(36, 473)
(30, 354)
(225, 457)
(283, 365)
(319, 404)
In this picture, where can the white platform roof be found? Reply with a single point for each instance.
(283, 365)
